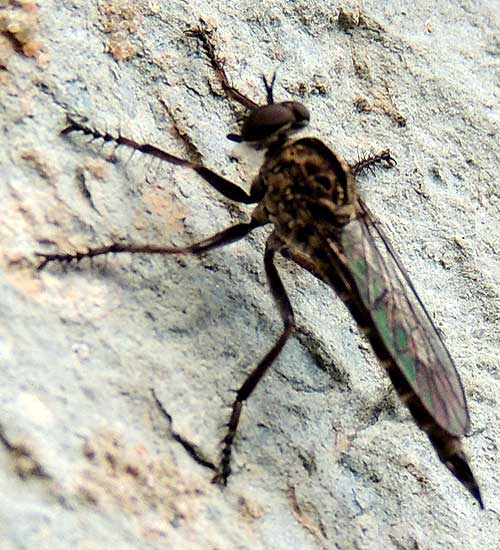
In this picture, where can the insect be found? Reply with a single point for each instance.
(309, 196)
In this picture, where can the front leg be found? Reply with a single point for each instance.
(370, 161)
(225, 187)
(205, 36)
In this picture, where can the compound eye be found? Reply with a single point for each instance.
(265, 121)
(276, 118)
(301, 115)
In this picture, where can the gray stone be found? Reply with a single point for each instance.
(109, 365)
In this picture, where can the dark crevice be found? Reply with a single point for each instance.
(84, 189)
(193, 153)
(317, 349)
(191, 449)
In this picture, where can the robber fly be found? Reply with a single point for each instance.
(309, 196)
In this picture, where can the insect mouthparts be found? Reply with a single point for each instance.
(235, 137)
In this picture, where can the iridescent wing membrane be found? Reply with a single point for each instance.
(402, 322)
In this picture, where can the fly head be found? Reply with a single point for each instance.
(272, 122)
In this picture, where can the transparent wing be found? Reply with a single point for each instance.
(403, 324)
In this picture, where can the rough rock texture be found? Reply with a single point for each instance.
(117, 373)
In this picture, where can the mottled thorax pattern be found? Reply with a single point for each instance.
(305, 182)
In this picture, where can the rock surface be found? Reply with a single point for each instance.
(117, 373)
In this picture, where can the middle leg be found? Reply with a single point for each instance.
(227, 236)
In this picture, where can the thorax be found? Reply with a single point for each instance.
(304, 186)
